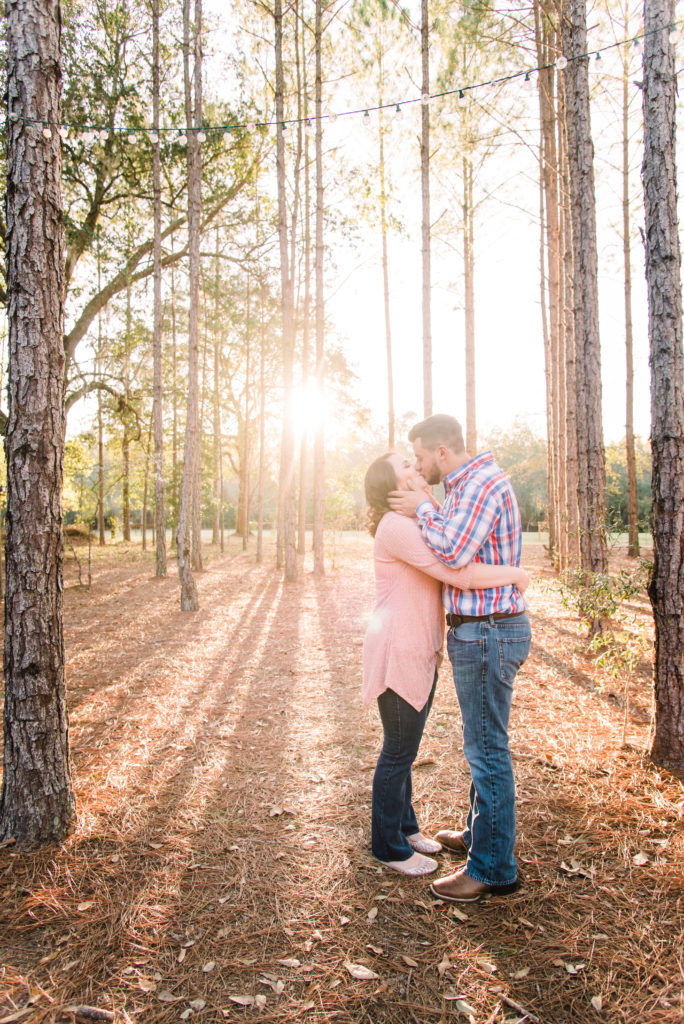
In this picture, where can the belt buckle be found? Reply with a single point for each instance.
(456, 620)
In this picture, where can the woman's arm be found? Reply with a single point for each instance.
(402, 540)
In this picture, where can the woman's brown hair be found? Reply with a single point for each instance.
(380, 479)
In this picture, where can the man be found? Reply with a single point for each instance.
(488, 640)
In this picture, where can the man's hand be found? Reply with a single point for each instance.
(406, 502)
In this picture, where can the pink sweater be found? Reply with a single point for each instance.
(403, 642)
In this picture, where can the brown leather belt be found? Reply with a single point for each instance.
(457, 620)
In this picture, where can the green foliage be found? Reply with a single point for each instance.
(523, 455)
(616, 483)
(595, 596)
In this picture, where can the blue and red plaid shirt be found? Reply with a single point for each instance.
(479, 521)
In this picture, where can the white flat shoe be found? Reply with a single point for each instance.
(422, 844)
(416, 865)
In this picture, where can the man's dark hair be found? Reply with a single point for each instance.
(436, 430)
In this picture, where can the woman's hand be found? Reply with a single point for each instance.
(523, 581)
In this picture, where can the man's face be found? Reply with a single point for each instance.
(426, 463)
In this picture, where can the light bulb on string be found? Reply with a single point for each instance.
(461, 94)
(597, 55)
(103, 134)
(64, 133)
(182, 138)
(154, 138)
(561, 62)
(201, 137)
(636, 42)
(674, 35)
(366, 119)
(47, 134)
(226, 135)
(527, 80)
(130, 137)
(397, 109)
(332, 117)
(309, 124)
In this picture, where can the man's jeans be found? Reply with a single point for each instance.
(393, 817)
(485, 657)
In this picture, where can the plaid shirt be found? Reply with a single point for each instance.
(479, 522)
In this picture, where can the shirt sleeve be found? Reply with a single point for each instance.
(456, 539)
(402, 541)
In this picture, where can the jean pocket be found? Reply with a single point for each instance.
(512, 653)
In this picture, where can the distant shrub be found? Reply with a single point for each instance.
(77, 533)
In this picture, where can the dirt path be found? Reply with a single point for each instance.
(223, 762)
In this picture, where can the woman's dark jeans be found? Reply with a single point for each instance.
(393, 817)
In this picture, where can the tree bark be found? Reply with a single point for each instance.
(632, 502)
(663, 276)
(590, 452)
(469, 290)
(287, 498)
(425, 197)
(189, 598)
(158, 384)
(319, 439)
(382, 171)
(37, 801)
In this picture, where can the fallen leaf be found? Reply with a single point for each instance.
(409, 961)
(375, 949)
(242, 1000)
(344, 920)
(522, 973)
(115, 859)
(486, 966)
(360, 972)
(459, 915)
(372, 913)
(308, 1006)
(597, 1002)
(209, 966)
(186, 1013)
(275, 811)
(525, 923)
(640, 859)
(443, 966)
(85, 906)
(146, 985)
(188, 943)
(290, 962)
(260, 1001)
(156, 846)
(181, 956)
(197, 1005)
(167, 997)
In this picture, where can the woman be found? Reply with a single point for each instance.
(401, 653)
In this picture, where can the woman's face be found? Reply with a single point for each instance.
(407, 478)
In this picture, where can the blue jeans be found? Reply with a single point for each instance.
(393, 817)
(485, 657)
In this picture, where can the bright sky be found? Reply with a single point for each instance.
(509, 351)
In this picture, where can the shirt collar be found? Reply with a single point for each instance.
(460, 472)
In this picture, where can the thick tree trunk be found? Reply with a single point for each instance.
(306, 318)
(159, 509)
(37, 800)
(663, 275)
(287, 529)
(319, 439)
(189, 598)
(632, 502)
(217, 535)
(126, 435)
(262, 425)
(425, 197)
(590, 452)
(100, 424)
(567, 419)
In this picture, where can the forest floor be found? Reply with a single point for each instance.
(220, 866)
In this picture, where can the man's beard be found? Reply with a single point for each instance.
(434, 476)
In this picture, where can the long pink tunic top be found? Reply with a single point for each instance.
(403, 642)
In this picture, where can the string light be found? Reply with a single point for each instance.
(675, 35)
(90, 133)
(47, 134)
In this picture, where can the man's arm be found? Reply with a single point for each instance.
(455, 539)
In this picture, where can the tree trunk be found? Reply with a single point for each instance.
(218, 485)
(306, 319)
(143, 519)
(469, 290)
(319, 439)
(37, 801)
(189, 598)
(126, 436)
(287, 498)
(663, 276)
(158, 384)
(590, 452)
(262, 424)
(382, 171)
(632, 502)
(425, 197)
(549, 209)
(100, 425)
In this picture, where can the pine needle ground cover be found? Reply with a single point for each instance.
(220, 869)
